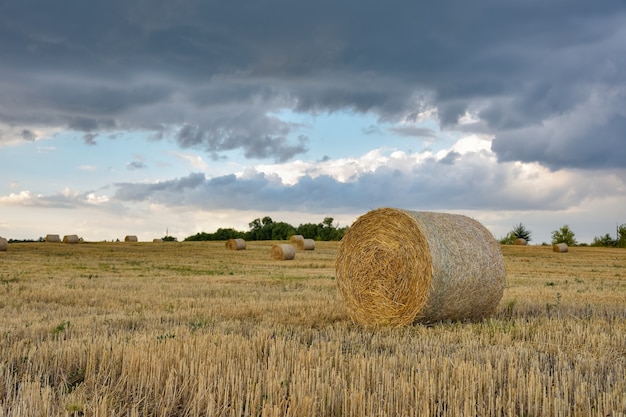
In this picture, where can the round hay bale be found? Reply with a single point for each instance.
(235, 244)
(296, 238)
(3, 244)
(53, 238)
(71, 239)
(560, 247)
(157, 240)
(305, 244)
(130, 238)
(520, 241)
(397, 267)
(283, 252)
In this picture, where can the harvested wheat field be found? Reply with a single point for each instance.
(191, 329)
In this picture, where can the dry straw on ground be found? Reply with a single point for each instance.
(3, 244)
(235, 244)
(305, 244)
(71, 239)
(520, 241)
(560, 247)
(131, 238)
(396, 267)
(53, 238)
(283, 252)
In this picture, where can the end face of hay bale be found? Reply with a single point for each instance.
(296, 238)
(3, 244)
(283, 252)
(305, 244)
(560, 247)
(130, 238)
(53, 238)
(73, 239)
(520, 241)
(396, 267)
(235, 244)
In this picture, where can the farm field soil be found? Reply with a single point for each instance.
(194, 329)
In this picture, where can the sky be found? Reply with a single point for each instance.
(140, 117)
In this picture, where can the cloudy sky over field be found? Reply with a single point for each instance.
(137, 117)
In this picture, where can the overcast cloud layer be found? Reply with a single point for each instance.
(542, 85)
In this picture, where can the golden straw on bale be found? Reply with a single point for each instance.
(560, 247)
(130, 238)
(296, 238)
(71, 239)
(283, 252)
(235, 244)
(396, 267)
(3, 244)
(305, 244)
(520, 241)
(53, 238)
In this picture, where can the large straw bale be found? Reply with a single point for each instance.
(236, 244)
(305, 244)
(283, 252)
(397, 267)
(53, 238)
(520, 241)
(157, 240)
(560, 247)
(296, 238)
(71, 239)
(130, 238)
(3, 244)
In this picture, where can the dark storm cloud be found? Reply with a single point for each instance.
(212, 73)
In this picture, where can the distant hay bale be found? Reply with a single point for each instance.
(3, 244)
(53, 238)
(397, 267)
(520, 241)
(130, 238)
(283, 252)
(157, 240)
(296, 238)
(560, 247)
(235, 244)
(71, 239)
(305, 244)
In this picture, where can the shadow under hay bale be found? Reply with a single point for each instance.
(131, 238)
(560, 247)
(396, 267)
(520, 241)
(71, 239)
(3, 244)
(53, 238)
(283, 252)
(235, 244)
(305, 244)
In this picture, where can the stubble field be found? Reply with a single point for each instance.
(193, 329)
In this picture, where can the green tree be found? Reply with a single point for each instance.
(508, 239)
(621, 236)
(521, 232)
(605, 241)
(564, 235)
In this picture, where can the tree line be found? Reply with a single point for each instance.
(566, 235)
(267, 229)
